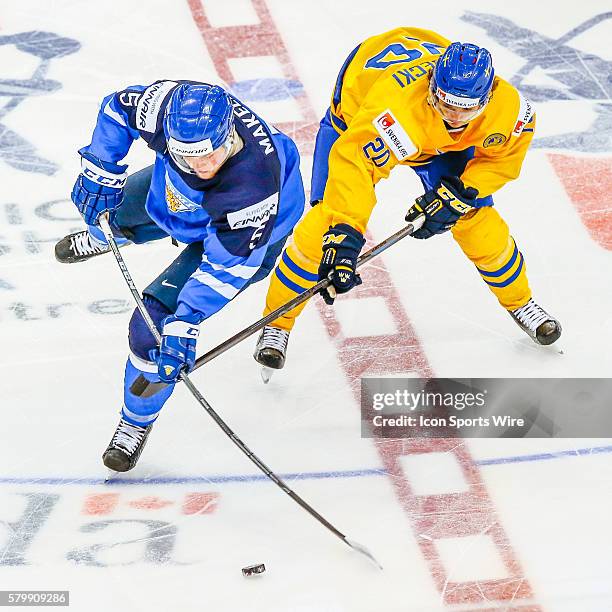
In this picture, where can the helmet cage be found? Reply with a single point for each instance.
(179, 150)
(467, 109)
(198, 122)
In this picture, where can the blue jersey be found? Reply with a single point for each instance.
(254, 200)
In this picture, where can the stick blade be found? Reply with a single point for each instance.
(364, 551)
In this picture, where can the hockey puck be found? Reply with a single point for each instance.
(253, 570)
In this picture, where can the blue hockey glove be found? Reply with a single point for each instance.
(98, 188)
(442, 206)
(341, 246)
(178, 346)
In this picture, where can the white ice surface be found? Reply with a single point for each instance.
(63, 348)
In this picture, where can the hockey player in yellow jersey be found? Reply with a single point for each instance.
(410, 97)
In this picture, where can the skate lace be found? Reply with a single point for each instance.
(82, 243)
(128, 436)
(531, 315)
(275, 338)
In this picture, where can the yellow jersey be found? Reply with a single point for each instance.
(380, 109)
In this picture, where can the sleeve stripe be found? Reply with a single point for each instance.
(239, 270)
(114, 114)
(337, 123)
(340, 79)
(227, 291)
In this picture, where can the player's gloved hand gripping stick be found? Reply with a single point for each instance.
(108, 234)
(407, 230)
(341, 246)
(413, 226)
(442, 206)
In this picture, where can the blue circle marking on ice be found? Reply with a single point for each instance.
(267, 90)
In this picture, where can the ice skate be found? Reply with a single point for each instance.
(124, 449)
(537, 323)
(78, 247)
(271, 350)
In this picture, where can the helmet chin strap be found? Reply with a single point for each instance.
(237, 143)
(455, 129)
(181, 163)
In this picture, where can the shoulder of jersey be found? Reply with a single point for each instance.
(253, 129)
(512, 111)
(149, 106)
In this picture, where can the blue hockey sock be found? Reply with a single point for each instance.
(143, 393)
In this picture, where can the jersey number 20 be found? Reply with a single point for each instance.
(377, 151)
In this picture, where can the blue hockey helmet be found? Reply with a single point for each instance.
(462, 79)
(198, 120)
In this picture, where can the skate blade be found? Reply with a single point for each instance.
(266, 374)
(556, 348)
(111, 475)
(552, 349)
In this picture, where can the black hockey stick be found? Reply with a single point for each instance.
(305, 295)
(143, 384)
(108, 234)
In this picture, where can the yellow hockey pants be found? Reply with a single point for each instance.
(482, 235)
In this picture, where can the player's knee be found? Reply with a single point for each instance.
(308, 234)
(141, 340)
(305, 259)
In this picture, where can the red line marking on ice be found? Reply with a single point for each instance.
(104, 503)
(255, 40)
(588, 182)
(439, 516)
(193, 503)
(150, 502)
(200, 503)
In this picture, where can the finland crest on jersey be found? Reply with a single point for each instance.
(176, 201)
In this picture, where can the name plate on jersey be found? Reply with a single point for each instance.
(394, 135)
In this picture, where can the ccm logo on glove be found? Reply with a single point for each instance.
(341, 246)
(442, 206)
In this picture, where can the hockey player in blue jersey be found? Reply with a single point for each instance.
(224, 182)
